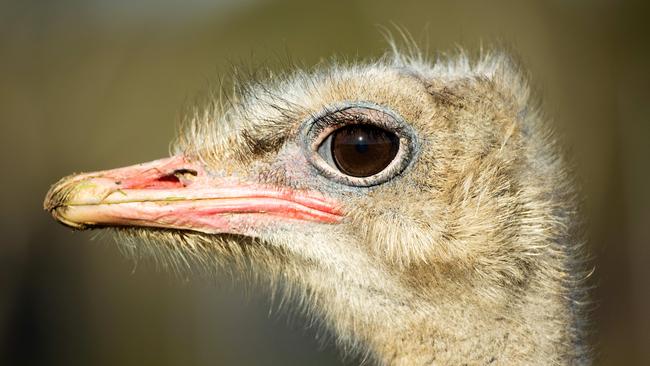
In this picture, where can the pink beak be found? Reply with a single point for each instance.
(177, 193)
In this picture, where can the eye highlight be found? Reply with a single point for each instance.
(359, 145)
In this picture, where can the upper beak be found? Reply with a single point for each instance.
(178, 193)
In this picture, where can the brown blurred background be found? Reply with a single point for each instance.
(95, 84)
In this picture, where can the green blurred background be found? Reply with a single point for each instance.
(95, 84)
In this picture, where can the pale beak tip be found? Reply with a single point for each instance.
(56, 200)
(59, 215)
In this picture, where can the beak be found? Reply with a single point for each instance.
(177, 193)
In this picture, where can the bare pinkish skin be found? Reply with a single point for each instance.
(177, 193)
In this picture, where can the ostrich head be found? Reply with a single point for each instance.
(419, 209)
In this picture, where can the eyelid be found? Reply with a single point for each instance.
(327, 122)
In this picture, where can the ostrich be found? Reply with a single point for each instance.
(419, 209)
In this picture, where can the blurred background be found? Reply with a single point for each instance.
(95, 84)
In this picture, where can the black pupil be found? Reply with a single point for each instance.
(363, 150)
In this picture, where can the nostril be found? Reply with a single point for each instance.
(169, 178)
(179, 177)
(180, 173)
(153, 179)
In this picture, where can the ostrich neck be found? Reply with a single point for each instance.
(536, 328)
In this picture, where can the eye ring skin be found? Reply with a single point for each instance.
(319, 127)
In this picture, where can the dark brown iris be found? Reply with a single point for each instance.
(363, 150)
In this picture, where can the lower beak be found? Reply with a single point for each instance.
(177, 193)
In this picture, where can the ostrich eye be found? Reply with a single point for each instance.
(363, 150)
(359, 145)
